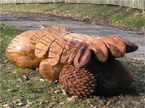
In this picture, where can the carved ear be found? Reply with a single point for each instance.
(82, 58)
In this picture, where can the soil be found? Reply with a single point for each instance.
(29, 21)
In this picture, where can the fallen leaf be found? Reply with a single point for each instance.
(12, 90)
(6, 106)
(25, 78)
(51, 104)
(2, 100)
(42, 80)
(14, 72)
(72, 99)
(29, 103)
(92, 106)
(51, 89)
(63, 91)
(20, 104)
(57, 91)
(108, 103)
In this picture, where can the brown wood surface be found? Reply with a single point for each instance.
(54, 47)
(105, 79)
(20, 51)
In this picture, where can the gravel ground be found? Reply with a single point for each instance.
(28, 21)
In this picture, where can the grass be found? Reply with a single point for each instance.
(130, 21)
(6, 35)
(21, 88)
(116, 15)
(91, 11)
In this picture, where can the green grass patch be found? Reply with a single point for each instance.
(77, 9)
(21, 88)
(130, 21)
(93, 11)
(35, 7)
(135, 21)
(6, 35)
(116, 15)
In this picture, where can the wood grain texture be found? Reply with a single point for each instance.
(84, 65)
(44, 44)
(78, 82)
(51, 73)
(103, 79)
(62, 46)
(20, 51)
(104, 46)
(48, 29)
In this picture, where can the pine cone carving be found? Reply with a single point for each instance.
(105, 79)
(78, 82)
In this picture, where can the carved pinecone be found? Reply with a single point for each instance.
(103, 79)
(78, 82)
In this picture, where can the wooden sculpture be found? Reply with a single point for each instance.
(76, 49)
(85, 65)
(103, 79)
(20, 51)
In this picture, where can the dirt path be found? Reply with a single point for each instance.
(28, 21)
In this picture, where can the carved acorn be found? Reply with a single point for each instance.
(78, 82)
(103, 79)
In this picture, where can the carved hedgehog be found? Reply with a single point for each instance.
(85, 65)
